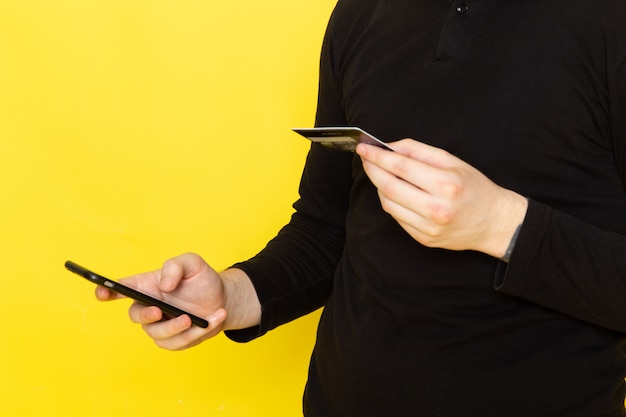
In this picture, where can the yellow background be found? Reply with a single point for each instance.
(132, 131)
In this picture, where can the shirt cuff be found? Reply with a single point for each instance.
(510, 277)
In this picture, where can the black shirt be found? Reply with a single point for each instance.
(533, 94)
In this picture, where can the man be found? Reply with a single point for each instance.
(479, 270)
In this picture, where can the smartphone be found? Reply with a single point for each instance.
(341, 138)
(167, 309)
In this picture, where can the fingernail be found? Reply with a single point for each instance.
(184, 322)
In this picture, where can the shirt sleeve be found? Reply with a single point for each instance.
(293, 274)
(569, 265)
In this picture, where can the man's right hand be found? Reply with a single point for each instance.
(226, 301)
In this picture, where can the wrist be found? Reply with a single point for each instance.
(240, 300)
(511, 214)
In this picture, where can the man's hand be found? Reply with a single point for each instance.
(442, 201)
(191, 284)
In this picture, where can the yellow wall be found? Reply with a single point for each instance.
(132, 131)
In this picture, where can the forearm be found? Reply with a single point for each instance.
(293, 274)
(570, 266)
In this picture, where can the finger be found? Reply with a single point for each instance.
(179, 333)
(392, 189)
(414, 171)
(424, 229)
(420, 151)
(142, 314)
(409, 205)
(413, 149)
(167, 329)
(105, 294)
(176, 269)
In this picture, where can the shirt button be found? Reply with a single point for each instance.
(463, 8)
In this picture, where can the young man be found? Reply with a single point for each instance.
(478, 270)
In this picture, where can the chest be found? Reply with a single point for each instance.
(519, 90)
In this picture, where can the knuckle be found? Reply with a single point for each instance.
(452, 187)
(451, 190)
(440, 216)
(402, 169)
(390, 191)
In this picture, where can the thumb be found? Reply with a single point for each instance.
(172, 274)
(176, 269)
